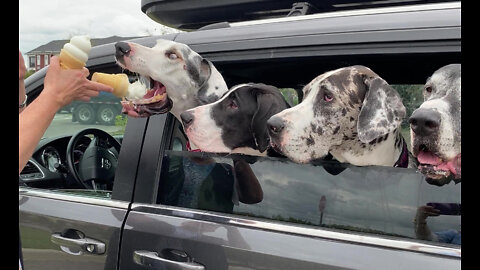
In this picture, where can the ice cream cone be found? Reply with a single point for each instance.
(68, 61)
(119, 82)
(74, 54)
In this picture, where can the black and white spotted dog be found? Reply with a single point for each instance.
(350, 112)
(172, 68)
(237, 123)
(436, 127)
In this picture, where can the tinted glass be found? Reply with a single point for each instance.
(377, 200)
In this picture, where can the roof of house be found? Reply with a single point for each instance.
(57, 45)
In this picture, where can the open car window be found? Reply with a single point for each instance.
(372, 200)
(48, 169)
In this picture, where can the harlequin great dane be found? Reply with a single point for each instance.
(172, 68)
(350, 112)
(436, 127)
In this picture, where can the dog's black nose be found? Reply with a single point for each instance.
(187, 118)
(275, 125)
(121, 49)
(424, 122)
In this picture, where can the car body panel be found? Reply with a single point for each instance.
(430, 24)
(43, 214)
(219, 241)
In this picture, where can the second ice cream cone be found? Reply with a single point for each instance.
(119, 82)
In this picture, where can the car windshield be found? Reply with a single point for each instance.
(102, 112)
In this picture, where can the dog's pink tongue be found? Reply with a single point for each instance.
(157, 89)
(453, 165)
(428, 158)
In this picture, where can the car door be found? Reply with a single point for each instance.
(62, 228)
(312, 216)
(363, 223)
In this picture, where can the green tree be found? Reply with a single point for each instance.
(412, 98)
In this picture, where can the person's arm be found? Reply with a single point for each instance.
(32, 124)
(21, 83)
(422, 231)
(61, 87)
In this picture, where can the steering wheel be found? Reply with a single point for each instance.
(98, 163)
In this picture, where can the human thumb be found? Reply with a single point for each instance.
(54, 62)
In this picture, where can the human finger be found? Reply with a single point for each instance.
(431, 211)
(85, 71)
(84, 98)
(54, 62)
(90, 93)
(99, 86)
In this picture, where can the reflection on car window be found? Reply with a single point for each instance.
(376, 200)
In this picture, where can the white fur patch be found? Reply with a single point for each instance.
(204, 132)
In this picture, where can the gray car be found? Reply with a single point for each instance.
(323, 215)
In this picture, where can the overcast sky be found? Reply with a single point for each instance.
(43, 21)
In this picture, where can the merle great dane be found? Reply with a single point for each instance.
(436, 127)
(351, 113)
(188, 79)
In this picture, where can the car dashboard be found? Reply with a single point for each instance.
(48, 168)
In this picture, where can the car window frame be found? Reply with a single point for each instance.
(125, 176)
(149, 176)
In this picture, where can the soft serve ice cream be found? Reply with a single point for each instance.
(121, 86)
(137, 98)
(74, 54)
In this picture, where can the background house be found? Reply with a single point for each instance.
(40, 56)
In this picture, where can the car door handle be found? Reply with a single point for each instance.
(88, 245)
(153, 261)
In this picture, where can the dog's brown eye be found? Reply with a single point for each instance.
(233, 105)
(428, 89)
(328, 97)
(172, 56)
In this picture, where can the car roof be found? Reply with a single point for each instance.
(193, 14)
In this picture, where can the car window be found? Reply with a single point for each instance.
(102, 112)
(48, 169)
(376, 200)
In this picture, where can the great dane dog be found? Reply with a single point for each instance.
(172, 68)
(436, 127)
(350, 112)
(237, 123)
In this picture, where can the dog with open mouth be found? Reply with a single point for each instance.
(436, 127)
(177, 78)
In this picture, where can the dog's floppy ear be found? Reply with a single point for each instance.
(198, 69)
(205, 71)
(269, 102)
(382, 110)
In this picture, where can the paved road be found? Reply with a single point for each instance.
(62, 124)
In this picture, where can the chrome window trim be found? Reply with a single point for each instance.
(362, 239)
(360, 12)
(57, 195)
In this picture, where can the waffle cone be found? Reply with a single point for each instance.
(119, 82)
(68, 61)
